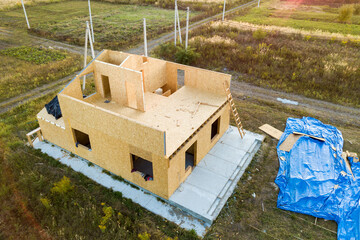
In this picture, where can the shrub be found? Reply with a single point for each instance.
(346, 13)
(108, 211)
(63, 186)
(144, 236)
(357, 9)
(186, 56)
(259, 34)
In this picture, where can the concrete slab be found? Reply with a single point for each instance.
(217, 165)
(199, 200)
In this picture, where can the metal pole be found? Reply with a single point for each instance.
(259, 3)
(85, 53)
(223, 16)
(27, 21)
(91, 23)
(145, 40)
(187, 28)
(175, 25)
(91, 43)
(178, 20)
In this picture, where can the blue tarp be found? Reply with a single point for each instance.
(313, 178)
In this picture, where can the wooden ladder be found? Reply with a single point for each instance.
(233, 110)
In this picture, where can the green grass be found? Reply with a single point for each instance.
(300, 19)
(21, 72)
(115, 26)
(321, 69)
(34, 54)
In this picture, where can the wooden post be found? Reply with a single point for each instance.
(91, 43)
(178, 20)
(145, 40)
(223, 16)
(91, 23)
(85, 54)
(175, 24)
(27, 20)
(187, 28)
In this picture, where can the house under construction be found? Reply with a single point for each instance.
(140, 123)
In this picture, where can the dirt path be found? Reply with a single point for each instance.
(331, 111)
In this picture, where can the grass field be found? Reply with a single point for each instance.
(281, 13)
(116, 26)
(322, 69)
(25, 65)
(31, 209)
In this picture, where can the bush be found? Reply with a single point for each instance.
(63, 186)
(259, 34)
(346, 13)
(357, 9)
(186, 56)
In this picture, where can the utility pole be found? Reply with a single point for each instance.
(91, 43)
(145, 40)
(27, 21)
(187, 28)
(223, 16)
(175, 25)
(91, 23)
(259, 3)
(178, 20)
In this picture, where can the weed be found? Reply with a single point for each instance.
(259, 34)
(108, 211)
(34, 55)
(90, 164)
(144, 236)
(63, 186)
(46, 202)
(346, 13)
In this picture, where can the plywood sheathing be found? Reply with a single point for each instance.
(289, 142)
(74, 89)
(118, 76)
(112, 123)
(201, 79)
(275, 133)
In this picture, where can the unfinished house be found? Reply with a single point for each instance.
(149, 121)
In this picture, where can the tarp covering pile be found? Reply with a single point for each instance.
(53, 108)
(313, 178)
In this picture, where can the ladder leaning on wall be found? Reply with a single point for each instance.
(233, 110)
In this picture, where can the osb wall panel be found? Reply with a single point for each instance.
(154, 74)
(115, 57)
(177, 173)
(74, 89)
(109, 153)
(117, 77)
(199, 78)
(54, 134)
(113, 124)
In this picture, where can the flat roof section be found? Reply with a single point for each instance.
(179, 115)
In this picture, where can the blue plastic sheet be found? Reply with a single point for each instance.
(313, 178)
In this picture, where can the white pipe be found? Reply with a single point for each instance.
(187, 28)
(91, 23)
(91, 43)
(85, 54)
(145, 40)
(27, 21)
(175, 25)
(223, 16)
(178, 20)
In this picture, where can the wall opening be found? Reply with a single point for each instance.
(180, 77)
(143, 167)
(215, 128)
(89, 85)
(190, 156)
(82, 139)
(106, 86)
